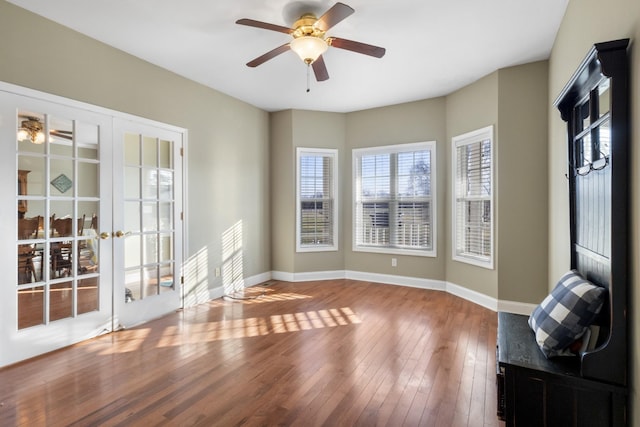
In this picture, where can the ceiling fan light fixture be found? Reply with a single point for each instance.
(31, 129)
(309, 48)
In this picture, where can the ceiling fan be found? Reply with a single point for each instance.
(309, 40)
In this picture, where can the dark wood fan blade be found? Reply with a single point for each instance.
(331, 17)
(264, 25)
(365, 49)
(320, 69)
(269, 55)
(65, 134)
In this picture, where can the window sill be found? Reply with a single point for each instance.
(316, 248)
(474, 261)
(395, 251)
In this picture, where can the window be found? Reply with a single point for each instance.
(473, 197)
(316, 204)
(394, 208)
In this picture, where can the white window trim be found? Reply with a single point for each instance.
(457, 141)
(333, 154)
(414, 146)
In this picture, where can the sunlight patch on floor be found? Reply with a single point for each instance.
(127, 341)
(257, 326)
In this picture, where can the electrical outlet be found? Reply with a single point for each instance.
(394, 262)
(217, 271)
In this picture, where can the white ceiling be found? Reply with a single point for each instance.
(434, 47)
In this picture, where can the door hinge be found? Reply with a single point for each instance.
(181, 216)
(182, 280)
(181, 152)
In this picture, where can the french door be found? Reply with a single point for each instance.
(91, 230)
(147, 221)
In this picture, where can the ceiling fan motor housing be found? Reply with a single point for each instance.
(305, 27)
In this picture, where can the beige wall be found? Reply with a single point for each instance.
(291, 129)
(283, 178)
(587, 22)
(397, 124)
(228, 159)
(471, 108)
(512, 99)
(521, 181)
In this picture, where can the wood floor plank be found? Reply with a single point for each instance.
(334, 353)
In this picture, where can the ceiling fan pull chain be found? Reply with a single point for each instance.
(308, 72)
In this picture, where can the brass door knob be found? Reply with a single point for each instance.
(104, 235)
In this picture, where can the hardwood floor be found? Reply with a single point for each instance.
(335, 353)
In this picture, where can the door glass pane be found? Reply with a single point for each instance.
(150, 281)
(88, 211)
(132, 251)
(87, 295)
(61, 259)
(166, 277)
(132, 216)
(166, 247)
(165, 211)
(150, 252)
(31, 132)
(133, 285)
(88, 256)
(61, 147)
(132, 179)
(60, 136)
(30, 307)
(36, 209)
(87, 140)
(166, 154)
(150, 183)
(61, 300)
(31, 175)
(131, 149)
(62, 210)
(28, 228)
(165, 185)
(61, 177)
(149, 217)
(149, 151)
(88, 186)
(28, 264)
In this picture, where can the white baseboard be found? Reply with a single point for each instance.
(307, 276)
(473, 296)
(282, 275)
(516, 307)
(389, 279)
(218, 292)
(257, 279)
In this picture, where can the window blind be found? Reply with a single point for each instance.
(316, 210)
